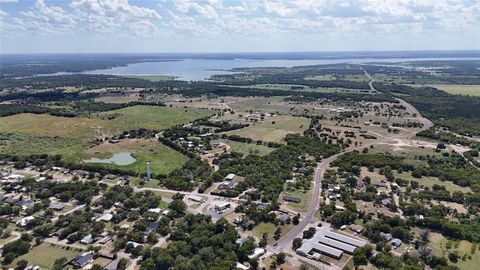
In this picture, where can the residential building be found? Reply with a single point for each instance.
(227, 185)
(87, 240)
(83, 260)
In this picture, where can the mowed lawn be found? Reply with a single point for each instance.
(162, 158)
(45, 255)
(458, 89)
(273, 129)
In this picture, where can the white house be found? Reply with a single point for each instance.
(24, 221)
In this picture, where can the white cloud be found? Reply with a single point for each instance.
(242, 19)
(41, 19)
(115, 16)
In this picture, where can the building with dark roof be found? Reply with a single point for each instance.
(292, 199)
(82, 261)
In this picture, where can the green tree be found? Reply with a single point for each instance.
(21, 264)
(59, 263)
(297, 242)
(277, 233)
(280, 258)
(122, 264)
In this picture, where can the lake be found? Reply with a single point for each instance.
(202, 69)
(123, 158)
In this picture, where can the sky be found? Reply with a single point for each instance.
(111, 26)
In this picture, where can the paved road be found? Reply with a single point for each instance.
(370, 83)
(286, 240)
(426, 122)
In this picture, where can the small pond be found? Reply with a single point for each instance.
(123, 158)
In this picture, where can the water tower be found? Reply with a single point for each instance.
(148, 170)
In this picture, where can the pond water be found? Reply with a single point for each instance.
(123, 158)
(201, 69)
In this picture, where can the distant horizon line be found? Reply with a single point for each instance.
(244, 52)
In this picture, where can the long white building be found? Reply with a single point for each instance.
(327, 242)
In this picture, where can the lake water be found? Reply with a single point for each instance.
(123, 158)
(201, 69)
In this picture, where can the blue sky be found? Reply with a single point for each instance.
(71, 26)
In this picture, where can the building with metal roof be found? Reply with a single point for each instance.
(343, 238)
(311, 247)
(329, 243)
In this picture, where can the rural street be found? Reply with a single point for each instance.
(286, 240)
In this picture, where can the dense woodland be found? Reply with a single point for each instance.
(459, 113)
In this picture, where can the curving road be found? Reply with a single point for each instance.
(308, 218)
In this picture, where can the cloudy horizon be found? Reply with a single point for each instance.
(98, 26)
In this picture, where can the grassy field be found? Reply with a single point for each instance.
(47, 125)
(456, 89)
(150, 117)
(301, 206)
(25, 144)
(26, 134)
(439, 248)
(118, 98)
(430, 181)
(163, 159)
(274, 129)
(247, 148)
(269, 228)
(45, 255)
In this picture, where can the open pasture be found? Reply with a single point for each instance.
(149, 117)
(273, 129)
(108, 123)
(47, 125)
(73, 138)
(458, 89)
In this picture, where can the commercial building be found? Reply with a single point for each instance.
(329, 243)
(292, 199)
